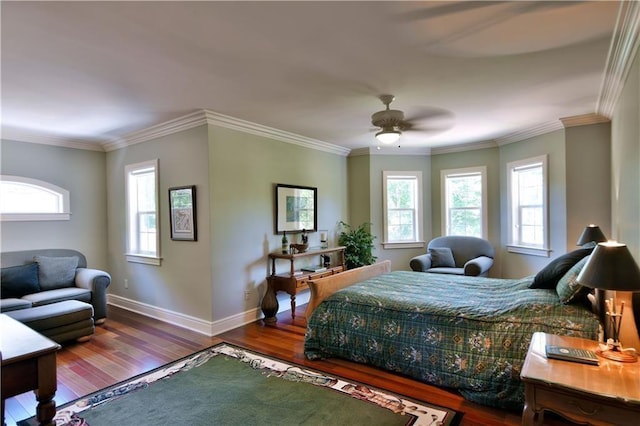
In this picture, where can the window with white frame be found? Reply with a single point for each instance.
(143, 237)
(26, 199)
(528, 211)
(402, 205)
(464, 201)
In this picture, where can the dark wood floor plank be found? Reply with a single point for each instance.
(130, 344)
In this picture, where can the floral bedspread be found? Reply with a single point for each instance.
(467, 333)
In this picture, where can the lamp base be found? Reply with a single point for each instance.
(615, 352)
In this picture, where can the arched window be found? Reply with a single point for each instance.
(26, 199)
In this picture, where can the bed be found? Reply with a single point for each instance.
(466, 333)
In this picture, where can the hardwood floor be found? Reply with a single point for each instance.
(129, 344)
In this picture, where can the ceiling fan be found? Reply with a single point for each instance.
(390, 123)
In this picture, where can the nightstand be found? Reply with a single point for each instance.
(606, 394)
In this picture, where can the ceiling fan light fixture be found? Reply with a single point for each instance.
(388, 136)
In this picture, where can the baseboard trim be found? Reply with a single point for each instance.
(208, 328)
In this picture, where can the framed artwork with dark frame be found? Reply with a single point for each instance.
(182, 213)
(296, 208)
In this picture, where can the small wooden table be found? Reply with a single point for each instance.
(293, 280)
(28, 363)
(605, 394)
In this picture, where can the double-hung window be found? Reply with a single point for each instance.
(143, 237)
(528, 211)
(464, 201)
(402, 205)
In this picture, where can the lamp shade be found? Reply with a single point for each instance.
(591, 233)
(611, 267)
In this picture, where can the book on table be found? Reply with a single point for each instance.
(567, 353)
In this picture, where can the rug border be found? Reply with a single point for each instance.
(453, 416)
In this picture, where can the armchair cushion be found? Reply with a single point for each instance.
(20, 280)
(442, 257)
(56, 272)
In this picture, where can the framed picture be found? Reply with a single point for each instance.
(182, 213)
(296, 208)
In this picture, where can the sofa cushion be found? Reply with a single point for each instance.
(56, 272)
(19, 280)
(548, 277)
(568, 288)
(451, 271)
(442, 257)
(58, 295)
(7, 305)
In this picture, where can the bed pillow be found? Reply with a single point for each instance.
(568, 288)
(18, 281)
(548, 277)
(56, 272)
(442, 257)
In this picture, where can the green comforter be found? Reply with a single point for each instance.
(467, 333)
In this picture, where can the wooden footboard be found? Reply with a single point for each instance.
(324, 287)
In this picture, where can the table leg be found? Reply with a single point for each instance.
(293, 306)
(47, 385)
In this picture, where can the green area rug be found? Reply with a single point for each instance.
(226, 385)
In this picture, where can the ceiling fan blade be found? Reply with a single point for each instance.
(430, 114)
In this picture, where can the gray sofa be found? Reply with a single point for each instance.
(457, 255)
(57, 278)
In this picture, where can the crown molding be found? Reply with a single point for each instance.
(583, 120)
(623, 48)
(229, 122)
(389, 150)
(541, 129)
(20, 135)
(464, 147)
(202, 117)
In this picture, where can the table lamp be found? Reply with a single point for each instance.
(611, 267)
(591, 234)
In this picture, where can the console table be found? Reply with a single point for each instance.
(293, 280)
(28, 363)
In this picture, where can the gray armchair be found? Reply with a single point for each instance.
(457, 255)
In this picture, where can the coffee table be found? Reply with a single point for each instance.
(28, 363)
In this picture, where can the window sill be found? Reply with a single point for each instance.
(147, 260)
(407, 245)
(532, 251)
(33, 217)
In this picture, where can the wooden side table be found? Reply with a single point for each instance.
(606, 394)
(28, 363)
(293, 280)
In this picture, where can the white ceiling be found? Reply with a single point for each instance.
(89, 71)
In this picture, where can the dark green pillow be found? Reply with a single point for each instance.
(442, 257)
(568, 288)
(549, 276)
(18, 281)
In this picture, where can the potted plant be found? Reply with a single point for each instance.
(358, 243)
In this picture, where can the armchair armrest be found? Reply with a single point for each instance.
(97, 281)
(478, 267)
(421, 263)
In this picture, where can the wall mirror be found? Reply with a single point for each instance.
(296, 208)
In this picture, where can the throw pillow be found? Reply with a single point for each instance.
(568, 288)
(442, 257)
(18, 281)
(56, 272)
(548, 277)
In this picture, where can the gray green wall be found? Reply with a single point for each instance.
(79, 171)
(234, 174)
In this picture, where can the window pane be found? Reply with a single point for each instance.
(463, 202)
(142, 215)
(400, 193)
